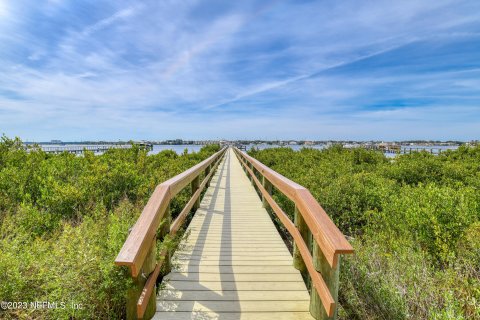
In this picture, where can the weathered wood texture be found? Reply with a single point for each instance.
(233, 264)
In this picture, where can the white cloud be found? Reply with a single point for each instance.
(156, 65)
(117, 16)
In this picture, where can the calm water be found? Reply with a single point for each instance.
(177, 148)
(323, 146)
(156, 148)
(295, 147)
(195, 148)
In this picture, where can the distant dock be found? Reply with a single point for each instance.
(434, 150)
(241, 147)
(397, 149)
(79, 149)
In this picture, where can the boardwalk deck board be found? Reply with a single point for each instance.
(236, 315)
(239, 277)
(233, 264)
(253, 285)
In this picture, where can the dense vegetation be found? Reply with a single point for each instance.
(413, 220)
(63, 220)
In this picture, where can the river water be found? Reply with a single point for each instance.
(177, 148)
(195, 148)
(323, 146)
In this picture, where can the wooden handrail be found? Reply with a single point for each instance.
(330, 239)
(136, 246)
(327, 236)
(141, 241)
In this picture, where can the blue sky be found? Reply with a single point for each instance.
(77, 70)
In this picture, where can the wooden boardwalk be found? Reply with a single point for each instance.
(233, 264)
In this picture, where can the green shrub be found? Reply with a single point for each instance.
(63, 220)
(415, 220)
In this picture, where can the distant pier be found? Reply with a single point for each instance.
(241, 147)
(397, 149)
(409, 150)
(79, 149)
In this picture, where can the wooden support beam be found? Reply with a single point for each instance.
(268, 186)
(331, 277)
(163, 232)
(302, 227)
(134, 293)
(195, 186)
(252, 173)
(207, 171)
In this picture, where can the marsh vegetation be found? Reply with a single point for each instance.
(414, 222)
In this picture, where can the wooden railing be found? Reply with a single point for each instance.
(139, 250)
(318, 243)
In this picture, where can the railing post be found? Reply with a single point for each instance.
(253, 172)
(331, 277)
(302, 227)
(207, 171)
(195, 186)
(268, 186)
(244, 165)
(139, 282)
(164, 231)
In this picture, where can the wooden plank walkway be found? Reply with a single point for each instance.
(233, 264)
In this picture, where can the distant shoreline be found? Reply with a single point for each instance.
(179, 142)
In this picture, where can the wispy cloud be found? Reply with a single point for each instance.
(122, 69)
(104, 23)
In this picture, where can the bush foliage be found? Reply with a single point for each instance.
(414, 221)
(63, 220)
